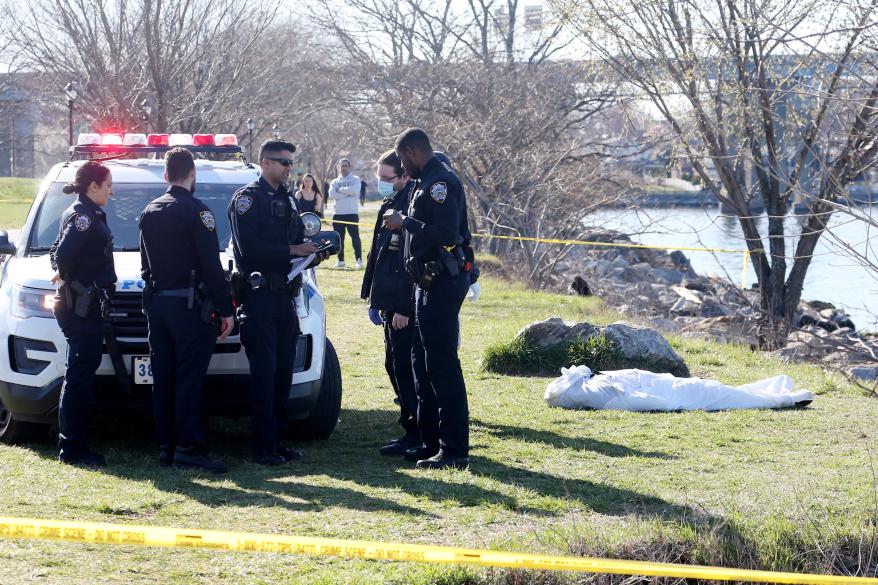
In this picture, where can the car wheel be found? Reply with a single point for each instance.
(322, 420)
(14, 431)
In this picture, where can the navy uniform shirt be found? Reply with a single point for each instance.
(83, 250)
(177, 236)
(436, 206)
(265, 223)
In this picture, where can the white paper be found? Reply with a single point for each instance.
(298, 265)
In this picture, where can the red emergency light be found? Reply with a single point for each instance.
(157, 140)
(203, 140)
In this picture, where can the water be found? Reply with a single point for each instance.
(833, 276)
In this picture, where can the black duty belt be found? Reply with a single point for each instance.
(180, 293)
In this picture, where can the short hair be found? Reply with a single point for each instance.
(270, 147)
(414, 138)
(179, 162)
(344, 160)
(390, 159)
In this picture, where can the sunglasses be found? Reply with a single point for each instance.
(284, 161)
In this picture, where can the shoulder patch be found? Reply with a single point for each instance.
(82, 222)
(208, 220)
(243, 204)
(439, 191)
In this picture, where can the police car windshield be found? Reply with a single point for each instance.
(123, 210)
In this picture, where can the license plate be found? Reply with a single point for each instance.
(142, 369)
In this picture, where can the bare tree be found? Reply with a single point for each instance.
(191, 59)
(772, 101)
(514, 121)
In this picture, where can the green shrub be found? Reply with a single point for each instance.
(522, 357)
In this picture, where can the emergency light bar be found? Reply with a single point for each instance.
(118, 143)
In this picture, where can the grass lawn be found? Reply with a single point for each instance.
(16, 196)
(755, 488)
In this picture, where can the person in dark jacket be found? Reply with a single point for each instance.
(389, 289)
(267, 233)
(179, 253)
(82, 256)
(433, 225)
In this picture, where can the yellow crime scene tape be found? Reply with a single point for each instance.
(745, 263)
(157, 536)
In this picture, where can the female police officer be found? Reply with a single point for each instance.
(83, 257)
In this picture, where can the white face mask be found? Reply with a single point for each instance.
(385, 189)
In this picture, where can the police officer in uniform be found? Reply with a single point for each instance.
(179, 252)
(388, 287)
(82, 255)
(432, 227)
(267, 233)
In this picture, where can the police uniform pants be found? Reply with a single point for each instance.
(85, 341)
(180, 346)
(269, 332)
(398, 363)
(443, 413)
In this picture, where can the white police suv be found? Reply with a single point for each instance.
(32, 371)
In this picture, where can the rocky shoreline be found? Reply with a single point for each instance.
(662, 289)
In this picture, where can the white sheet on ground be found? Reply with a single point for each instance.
(640, 390)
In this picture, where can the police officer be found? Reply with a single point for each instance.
(267, 233)
(388, 287)
(82, 255)
(432, 227)
(179, 251)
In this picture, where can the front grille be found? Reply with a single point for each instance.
(126, 315)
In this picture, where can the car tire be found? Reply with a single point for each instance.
(322, 420)
(13, 432)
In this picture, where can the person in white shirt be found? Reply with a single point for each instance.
(345, 191)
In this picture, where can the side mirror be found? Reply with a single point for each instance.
(6, 248)
(312, 224)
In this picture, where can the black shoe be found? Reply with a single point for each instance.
(84, 458)
(419, 453)
(166, 455)
(287, 453)
(194, 458)
(269, 459)
(400, 446)
(442, 461)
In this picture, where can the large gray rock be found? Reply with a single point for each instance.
(710, 307)
(645, 348)
(554, 330)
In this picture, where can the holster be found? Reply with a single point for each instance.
(424, 273)
(449, 262)
(83, 298)
(205, 304)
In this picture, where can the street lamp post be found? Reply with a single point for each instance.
(70, 92)
(251, 125)
(146, 106)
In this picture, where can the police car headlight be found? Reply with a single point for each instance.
(303, 302)
(32, 302)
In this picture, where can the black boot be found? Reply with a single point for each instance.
(401, 445)
(166, 455)
(82, 458)
(441, 460)
(419, 453)
(268, 458)
(196, 458)
(287, 453)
